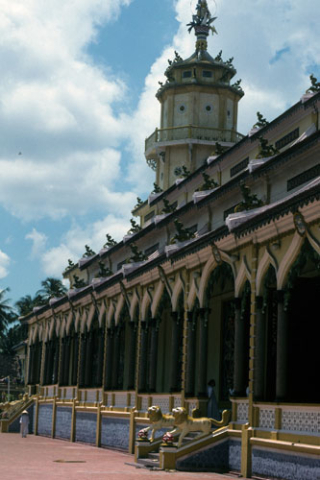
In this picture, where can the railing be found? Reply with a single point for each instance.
(281, 417)
(193, 132)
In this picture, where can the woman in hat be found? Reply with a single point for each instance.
(24, 423)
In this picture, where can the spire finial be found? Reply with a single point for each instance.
(201, 22)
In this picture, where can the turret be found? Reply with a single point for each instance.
(199, 107)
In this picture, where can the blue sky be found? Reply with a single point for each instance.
(78, 99)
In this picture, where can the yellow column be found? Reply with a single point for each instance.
(184, 340)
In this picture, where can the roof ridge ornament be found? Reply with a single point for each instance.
(202, 24)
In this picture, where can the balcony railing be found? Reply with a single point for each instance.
(192, 132)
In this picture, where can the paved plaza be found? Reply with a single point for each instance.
(35, 458)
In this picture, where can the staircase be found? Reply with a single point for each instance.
(12, 411)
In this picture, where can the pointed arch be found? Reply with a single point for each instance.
(177, 289)
(134, 304)
(102, 314)
(193, 295)
(263, 266)
(91, 314)
(313, 242)
(288, 260)
(145, 306)
(156, 299)
(110, 314)
(243, 275)
(69, 322)
(208, 268)
(119, 308)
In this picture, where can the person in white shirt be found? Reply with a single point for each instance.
(24, 424)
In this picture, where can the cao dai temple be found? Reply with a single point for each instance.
(218, 279)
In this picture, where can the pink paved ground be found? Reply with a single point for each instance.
(35, 458)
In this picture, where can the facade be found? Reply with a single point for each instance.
(219, 281)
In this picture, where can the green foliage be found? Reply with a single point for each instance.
(208, 183)
(250, 200)
(27, 303)
(12, 337)
(219, 148)
(182, 234)
(6, 311)
(136, 254)
(182, 172)
(111, 242)
(266, 150)
(315, 85)
(51, 287)
(135, 228)
(218, 58)
(156, 188)
(70, 265)
(89, 252)
(103, 270)
(167, 207)
(78, 282)
(262, 122)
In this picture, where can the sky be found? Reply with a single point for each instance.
(77, 100)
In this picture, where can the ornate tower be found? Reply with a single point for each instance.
(199, 107)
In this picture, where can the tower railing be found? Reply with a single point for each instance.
(193, 132)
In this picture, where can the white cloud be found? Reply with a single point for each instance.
(4, 264)
(56, 109)
(55, 260)
(39, 241)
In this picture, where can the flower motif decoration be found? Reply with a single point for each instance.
(168, 438)
(143, 436)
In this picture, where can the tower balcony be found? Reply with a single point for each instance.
(188, 134)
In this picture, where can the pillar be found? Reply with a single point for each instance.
(132, 355)
(109, 359)
(282, 349)
(75, 359)
(260, 353)
(62, 361)
(83, 349)
(239, 351)
(142, 383)
(153, 355)
(100, 357)
(88, 364)
(116, 358)
(191, 353)
(67, 361)
(56, 360)
(203, 352)
(175, 366)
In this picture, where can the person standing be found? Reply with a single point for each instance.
(212, 409)
(24, 423)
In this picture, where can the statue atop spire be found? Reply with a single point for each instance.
(202, 20)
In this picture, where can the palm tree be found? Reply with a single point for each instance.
(6, 311)
(26, 304)
(51, 287)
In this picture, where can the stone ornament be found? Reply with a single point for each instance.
(158, 420)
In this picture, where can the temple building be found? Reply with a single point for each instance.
(218, 279)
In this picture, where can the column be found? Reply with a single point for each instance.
(260, 353)
(109, 359)
(175, 353)
(282, 349)
(56, 360)
(30, 366)
(142, 384)
(239, 351)
(88, 364)
(62, 362)
(67, 361)
(203, 352)
(153, 355)
(51, 362)
(83, 350)
(132, 355)
(100, 357)
(75, 359)
(191, 353)
(115, 362)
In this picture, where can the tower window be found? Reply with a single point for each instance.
(207, 74)
(208, 108)
(187, 74)
(228, 113)
(182, 108)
